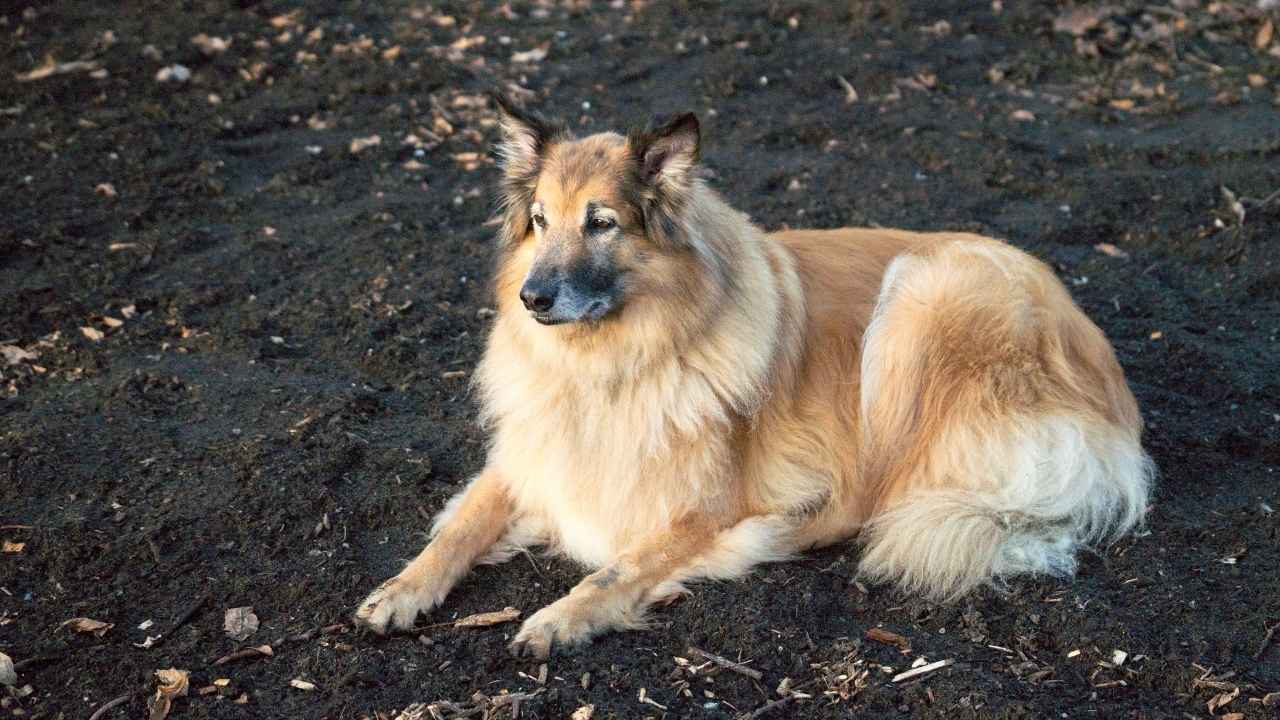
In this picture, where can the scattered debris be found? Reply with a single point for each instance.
(487, 619)
(173, 73)
(171, 684)
(726, 663)
(1222, 700)
(885, 637)
(245, 653)
(922, 670)
(211, 46)
(359, 145)
(88, 625)
(239, 623)
(51, 67)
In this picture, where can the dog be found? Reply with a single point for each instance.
(673, 395)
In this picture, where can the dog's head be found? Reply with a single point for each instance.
(594, 228)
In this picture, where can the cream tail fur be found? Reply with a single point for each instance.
(1014, 474)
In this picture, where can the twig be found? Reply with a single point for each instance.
(184, 618)
(250, 652)
(1266, 641)
(726, 663)
(17, 527)
(1256, 203)
(922, 670)
(774, 705)
(111, 704)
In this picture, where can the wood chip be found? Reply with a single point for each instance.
(886, 637)
(487, 619)
(359, 145)
(12, 547)
(583, 713)
(8, 676)
(1111, 250)
(93, 334)
(1265, 33)
(301, 684)
(1023, 116)
(922, 670)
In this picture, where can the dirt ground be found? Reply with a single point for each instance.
(237, 332)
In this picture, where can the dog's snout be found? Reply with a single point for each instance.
(538, 295)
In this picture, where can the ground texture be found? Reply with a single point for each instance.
(237, 334)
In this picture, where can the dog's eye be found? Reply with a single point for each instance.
(540, 220)
(601, 223)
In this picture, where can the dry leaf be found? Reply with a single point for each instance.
(240, 623)
(8, 676)
(13, 354)
(1263, 38)
(886, 637)
(88, 625)
(302, 684)
(12, 547)
(93, 334)
(1080, 20)
(1222, 700)
(1112, 250)
(171, 683)
(488, 618)
(359, 145)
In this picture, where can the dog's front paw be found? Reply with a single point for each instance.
(561, 623)
(394, 606)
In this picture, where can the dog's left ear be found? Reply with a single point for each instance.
(668, 152)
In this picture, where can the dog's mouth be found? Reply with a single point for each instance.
(592, 313)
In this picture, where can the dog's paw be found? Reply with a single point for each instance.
(558, 625)
(394, 606)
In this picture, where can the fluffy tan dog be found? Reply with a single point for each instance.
(674, 394)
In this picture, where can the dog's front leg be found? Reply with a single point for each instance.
(460, 538)
(616, 596)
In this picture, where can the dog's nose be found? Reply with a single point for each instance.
(538, 296)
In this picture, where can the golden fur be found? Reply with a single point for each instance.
(938, 395)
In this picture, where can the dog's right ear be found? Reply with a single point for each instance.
(525, 136)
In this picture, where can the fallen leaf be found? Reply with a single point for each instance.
(1080, 20)
(8, 676)
(359, 145)
(12, 547)
(240, 623)
(1112, 250)
(886, 637)
(171, 683)
(302, 684)
(93, 334)
(13, 354)
(488, 618)
(88, 625)
(536, 55)
(1263, 38)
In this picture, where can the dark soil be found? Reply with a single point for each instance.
(286, 397)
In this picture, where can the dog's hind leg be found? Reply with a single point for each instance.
(468, 530)
(655, 569)
(998, 434)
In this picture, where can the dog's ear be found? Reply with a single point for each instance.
(525, 136)
(668, 151)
